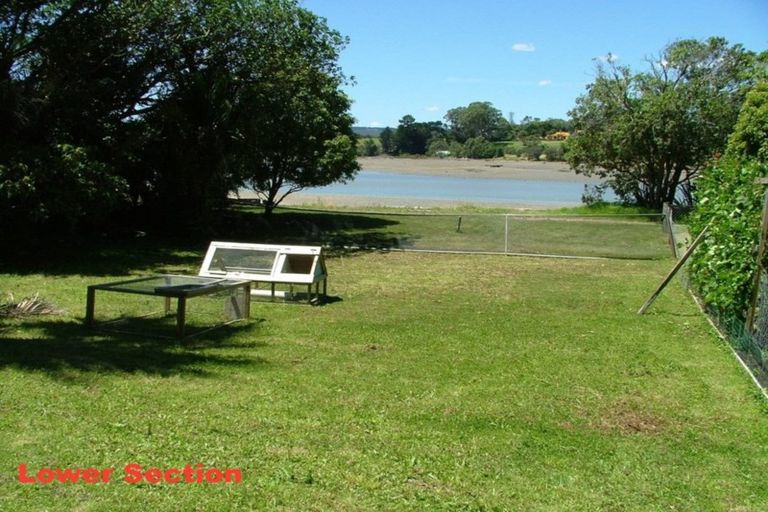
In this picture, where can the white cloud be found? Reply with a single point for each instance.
(544, 83)
(433, 108)
(375, 124)
(523, 47)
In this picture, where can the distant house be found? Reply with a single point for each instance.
(558, 136)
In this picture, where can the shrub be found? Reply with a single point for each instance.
(731, 203)
(532, 150)
(593, 194)
(436, 146)
(60, 188)
(478, 147)
(554, 152)
(368, 147)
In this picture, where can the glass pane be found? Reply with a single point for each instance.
(242, 260)
(152, 284)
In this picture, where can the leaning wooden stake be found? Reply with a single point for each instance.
(674, 271)
(760, 257)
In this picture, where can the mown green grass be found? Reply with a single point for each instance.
(429, 382)
(599, 232)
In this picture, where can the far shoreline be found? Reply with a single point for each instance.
(519, 170)
(497, 168)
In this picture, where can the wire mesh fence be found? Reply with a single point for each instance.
(637, 236)
(750, 344)
(759, 332)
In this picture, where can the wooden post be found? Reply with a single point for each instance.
(90, 305)
(760, 256)
(458, 225)
(674, 271)
(506, 234)
(181, 316)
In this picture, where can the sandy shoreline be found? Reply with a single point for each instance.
(338, 200)
(497, 168)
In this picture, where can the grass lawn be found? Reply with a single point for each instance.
(430, 382)
(571, 232)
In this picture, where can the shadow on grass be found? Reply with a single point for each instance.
(157, 253)
(59, 348)
(107, 257)
(342, 233)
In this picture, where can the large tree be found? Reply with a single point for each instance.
(387, 138)
(67, 78)
(293, 123)
(478, 119)
(650, 133)
(412, 137)
(164, 106)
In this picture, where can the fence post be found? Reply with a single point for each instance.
(506, 234)
(760, 255)
(666, 210)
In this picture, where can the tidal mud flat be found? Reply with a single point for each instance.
(473, 174)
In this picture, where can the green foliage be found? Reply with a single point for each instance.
(750, 135)
(57, 187)
(413, 138)
(651, 133)
(478, 119)
(554, 152)
(532, 149)
(538, 128)
(294, 124)
(368, 147)
(387, 141)
(438, 144)
(478, 147)
(593, 195)
(180, 102)
(730, 202)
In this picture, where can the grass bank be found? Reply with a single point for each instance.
(606, 231)
(430, 382)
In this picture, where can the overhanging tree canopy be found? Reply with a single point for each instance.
(164, 106)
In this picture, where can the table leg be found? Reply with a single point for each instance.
(247, 301)
(167, 299)
(181, 316)
(90, 305)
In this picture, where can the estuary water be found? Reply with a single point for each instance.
(387, 184)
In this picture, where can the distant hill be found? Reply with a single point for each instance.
(365, 131)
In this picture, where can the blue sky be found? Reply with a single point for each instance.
(534, 57)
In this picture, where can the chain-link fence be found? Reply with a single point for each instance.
(606, 236)
(751, 344)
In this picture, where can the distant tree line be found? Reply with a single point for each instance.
(478, 130)
(123, 111)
